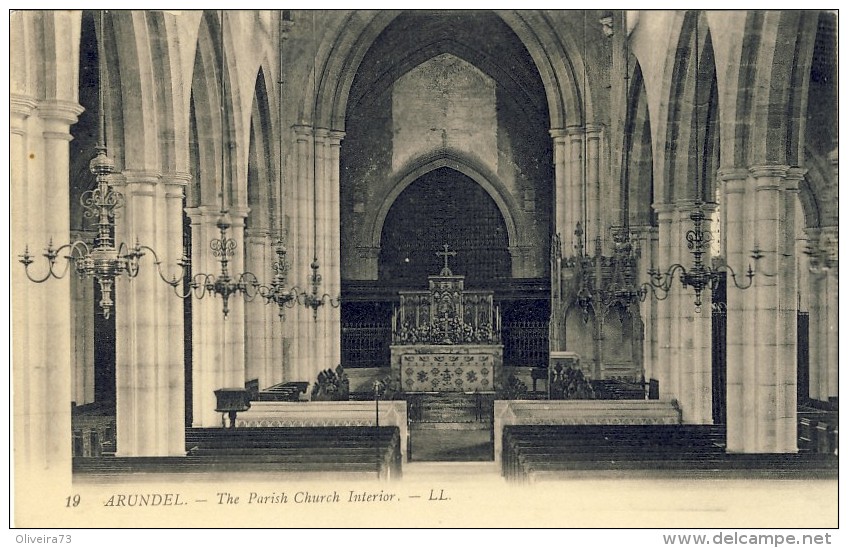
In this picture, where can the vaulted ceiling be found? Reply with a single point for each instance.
(479, 37)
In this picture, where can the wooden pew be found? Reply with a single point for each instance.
(347, 451)
(532, 453)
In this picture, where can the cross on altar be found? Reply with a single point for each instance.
(446, 271)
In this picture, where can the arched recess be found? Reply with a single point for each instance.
(206, 108)
(638, 172)
(343, 47)
(691, 151)
(772, 70)
(489, 181)
(219, 120)
(444, 207)
(261, 170)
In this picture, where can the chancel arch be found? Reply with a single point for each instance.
(443, 206)
(488, 183)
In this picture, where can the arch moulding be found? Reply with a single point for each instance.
(456, 161)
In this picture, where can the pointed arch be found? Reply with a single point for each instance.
(261, 171)
(459, 162)
(345, 43)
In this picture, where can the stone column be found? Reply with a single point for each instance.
(769, 322)
(562, 224)
(733, 182)
(149, 364)
(645, 237)
(665, 242)
(575, 190)
(823, 282)
(217, 343)
(300, 249)
(594, 228)
(258, 316)
(694, 335)
(25, 164)
(82, 331)
(333, 277)
(39, 145)
(830, 241)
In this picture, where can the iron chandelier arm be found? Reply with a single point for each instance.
(76, 250)
(277, 293)
(184, 263)
(749, 274)
(663, 281)
(248, 285)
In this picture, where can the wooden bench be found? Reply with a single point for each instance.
(533, 453)
(301, 444)
(326, 451)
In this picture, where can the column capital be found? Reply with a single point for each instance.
(61, 111)
(239, 212)
(643, 230)
(558, 134)
(321, 132)
(794, 175)
(302, 131)
(732, 173)
(664, 210)
(21, 105)
(203, 212)
(774, 170)
(593, 131)
(575, 132)
(337, 136)
(181, 178)
(139, 176)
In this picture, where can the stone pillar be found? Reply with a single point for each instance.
(82, 331)
(39, 145)
(665, 242)
(258, 315)
(563, 225)
(645, 237)
(830, 241)
(769, 321)
(298, 320)
(333, 275)
(575, 190)
(149, 361)
(823, 283)
(694, 335)
(594, 228)
(733, 182)
(217, 343)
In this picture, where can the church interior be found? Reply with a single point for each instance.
(352, 241)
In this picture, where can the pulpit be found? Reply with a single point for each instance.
(447, 339)
(231, 401)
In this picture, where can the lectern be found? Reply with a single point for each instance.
(230, 401)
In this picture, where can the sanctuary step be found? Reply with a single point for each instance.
(450, 408)
(451, 427)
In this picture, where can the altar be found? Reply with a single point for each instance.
(447, 339)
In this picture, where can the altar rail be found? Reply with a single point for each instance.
(580, 412)
(331, 413)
